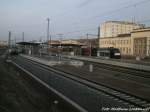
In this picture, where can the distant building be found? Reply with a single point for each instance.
(93, 42)
(3, 43)
(123, 42)
(88, 46)
(136, 43)
(31, 48)
(59, 42)
(114, 28)
(65, 47)
(141, 42)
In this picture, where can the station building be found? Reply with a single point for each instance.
(114, 28)
(136, 43)
(65, 47)
(30, 48)
(141, 42)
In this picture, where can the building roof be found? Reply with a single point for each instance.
(28, 43)
(65, 44)
(125, 22)
(54, 42)
(119, 35)
(124, 35)
(141, 30)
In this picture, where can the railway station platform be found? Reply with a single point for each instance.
(132, 64)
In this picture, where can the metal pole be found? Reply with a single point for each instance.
(9, 43)
(9, 39)
(48, 34)
(89, 44)
(87, 36)
(90, 48)
(98, 36)
(15, 41)
(22, 36)
(60, 40)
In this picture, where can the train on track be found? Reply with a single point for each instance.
(109, 52)
(96, 52)
(14, 51)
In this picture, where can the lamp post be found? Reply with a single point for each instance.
(60, 40)
(22, 36)
(9, 40)
(48, 34)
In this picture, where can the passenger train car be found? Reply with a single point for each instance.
(109, 53)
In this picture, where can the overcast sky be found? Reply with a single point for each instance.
(72, 18)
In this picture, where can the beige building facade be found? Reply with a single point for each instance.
(70, 42)
(137, 43)
(123, 43)
(141, 42)
(3, 43)
(114, 28)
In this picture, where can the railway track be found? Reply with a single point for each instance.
(117, 95)
(142, 74)
(133, 72)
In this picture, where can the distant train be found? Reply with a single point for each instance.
(109, 52)
(14, 51)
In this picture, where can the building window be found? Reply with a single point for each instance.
(123, 49)
(129, 50)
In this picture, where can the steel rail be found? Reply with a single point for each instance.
(75, 105)
(121, 95)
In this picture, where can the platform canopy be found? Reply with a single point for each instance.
(29, 43)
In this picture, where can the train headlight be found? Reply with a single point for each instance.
(117, 54)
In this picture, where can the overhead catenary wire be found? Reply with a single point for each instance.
(94, 29)
(87, 29)
(108, 14)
